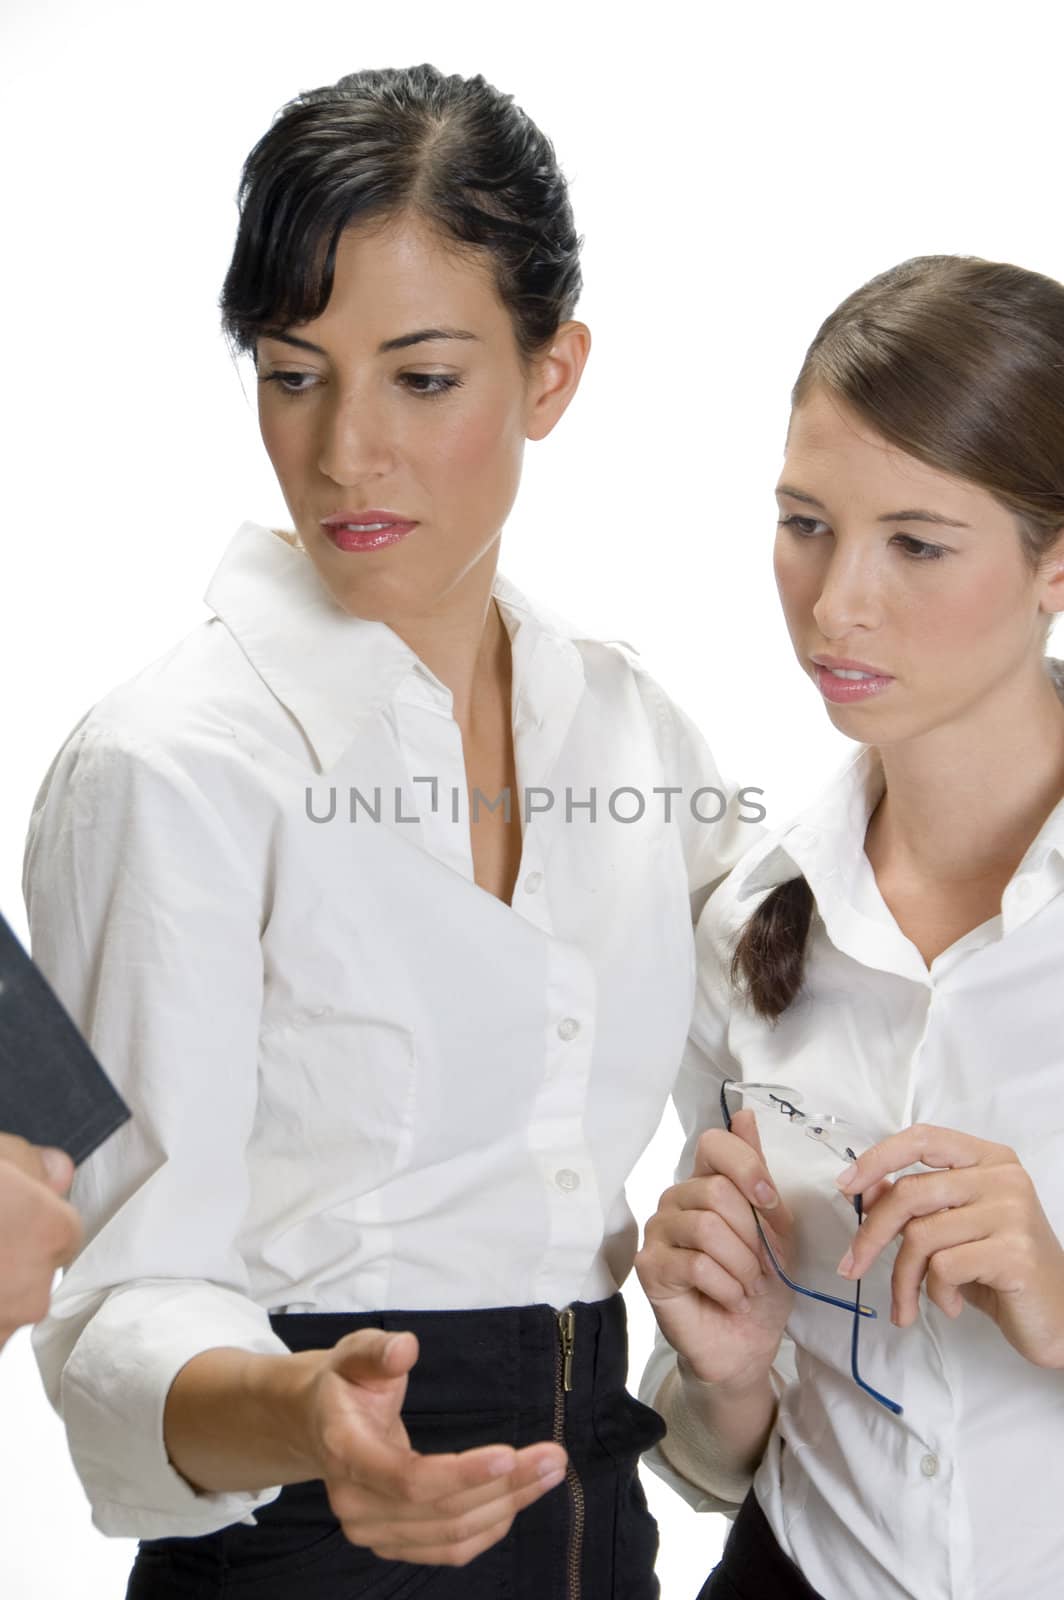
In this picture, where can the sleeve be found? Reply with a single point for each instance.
(719, 820)
(145, 918)
(688, 1458)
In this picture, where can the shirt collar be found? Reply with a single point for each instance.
(330, 670)
(824, 836)
(825, 844)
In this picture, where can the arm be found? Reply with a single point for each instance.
(183, 1410)
(719, 1421)
(145, 917)
(717, 1432)
(711, 848)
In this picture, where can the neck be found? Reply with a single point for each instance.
(462, 639)
(963, 803)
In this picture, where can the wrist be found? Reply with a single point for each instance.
(280, 1389)
(741, 1387)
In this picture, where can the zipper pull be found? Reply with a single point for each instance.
(567, 1329)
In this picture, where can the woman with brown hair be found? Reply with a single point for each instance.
(880, 993)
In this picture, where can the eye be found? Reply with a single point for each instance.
(286, 381)
(804, 527)
(920, 549)
(429, 383)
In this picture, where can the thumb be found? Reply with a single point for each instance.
(59, 1169)
(374, 1358)
(779, 1219)
(51, 1167)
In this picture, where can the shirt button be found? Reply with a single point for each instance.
(567, 1179)
(929, 1465)
(533, 882)
(568, 1028)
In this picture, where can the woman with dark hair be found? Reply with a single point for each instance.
(375, 893)
(880, 992)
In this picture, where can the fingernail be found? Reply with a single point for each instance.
(845, 1266)
(844, 1177)
(551, 1472)
(759, 1286)
(766, 1195)
(58, 1165)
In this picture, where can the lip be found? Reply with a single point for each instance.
(844, 691)
(846, 665)
(356, 531)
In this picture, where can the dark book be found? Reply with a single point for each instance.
(53, 1090)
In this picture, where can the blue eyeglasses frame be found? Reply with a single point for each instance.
(858, 1309)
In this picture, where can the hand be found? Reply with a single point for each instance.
(39, 1232)
(974, 1229)
(439, 1509)
(717, 1297)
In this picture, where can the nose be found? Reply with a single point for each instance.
(354, 446)
(849, 594)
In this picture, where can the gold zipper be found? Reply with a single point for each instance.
(563, 1386)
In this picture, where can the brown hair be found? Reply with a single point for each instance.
(960, 363)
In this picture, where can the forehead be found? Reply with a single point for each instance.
(833, 453)
(393, 276)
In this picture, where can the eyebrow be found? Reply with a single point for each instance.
(402, 342)
(911, 515)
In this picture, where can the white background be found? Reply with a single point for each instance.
(735, 173)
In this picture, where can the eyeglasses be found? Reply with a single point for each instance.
(844, 1139)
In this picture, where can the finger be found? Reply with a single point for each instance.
(934, 1147)
(32, 1160)
(414, 1479)
(918, 1194)
(924, 1239)
(963, 1272)
(732, 1156)
(374, 1358)
(533, 1475)
(731, 1242)
(532, 1468)
(744, 1126)
(454, 1541)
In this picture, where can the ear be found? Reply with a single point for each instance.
(554, 378)
(1051, 569)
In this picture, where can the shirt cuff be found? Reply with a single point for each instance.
(113, 1394)
(694, 1453)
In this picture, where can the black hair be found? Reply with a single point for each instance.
(452, 150)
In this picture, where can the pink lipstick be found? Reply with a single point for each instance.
(366, 530)
(843, 681)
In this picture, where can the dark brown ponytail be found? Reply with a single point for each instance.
(770, 956)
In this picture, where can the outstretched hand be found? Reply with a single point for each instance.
(440, 1509)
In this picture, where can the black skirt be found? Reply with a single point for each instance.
(482, 1377)
(753, 1567)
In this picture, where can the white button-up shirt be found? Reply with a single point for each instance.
(957, 1499)
(359, 1081)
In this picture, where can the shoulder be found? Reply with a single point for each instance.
(171, 739)
(186, 706)
(756, 874)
